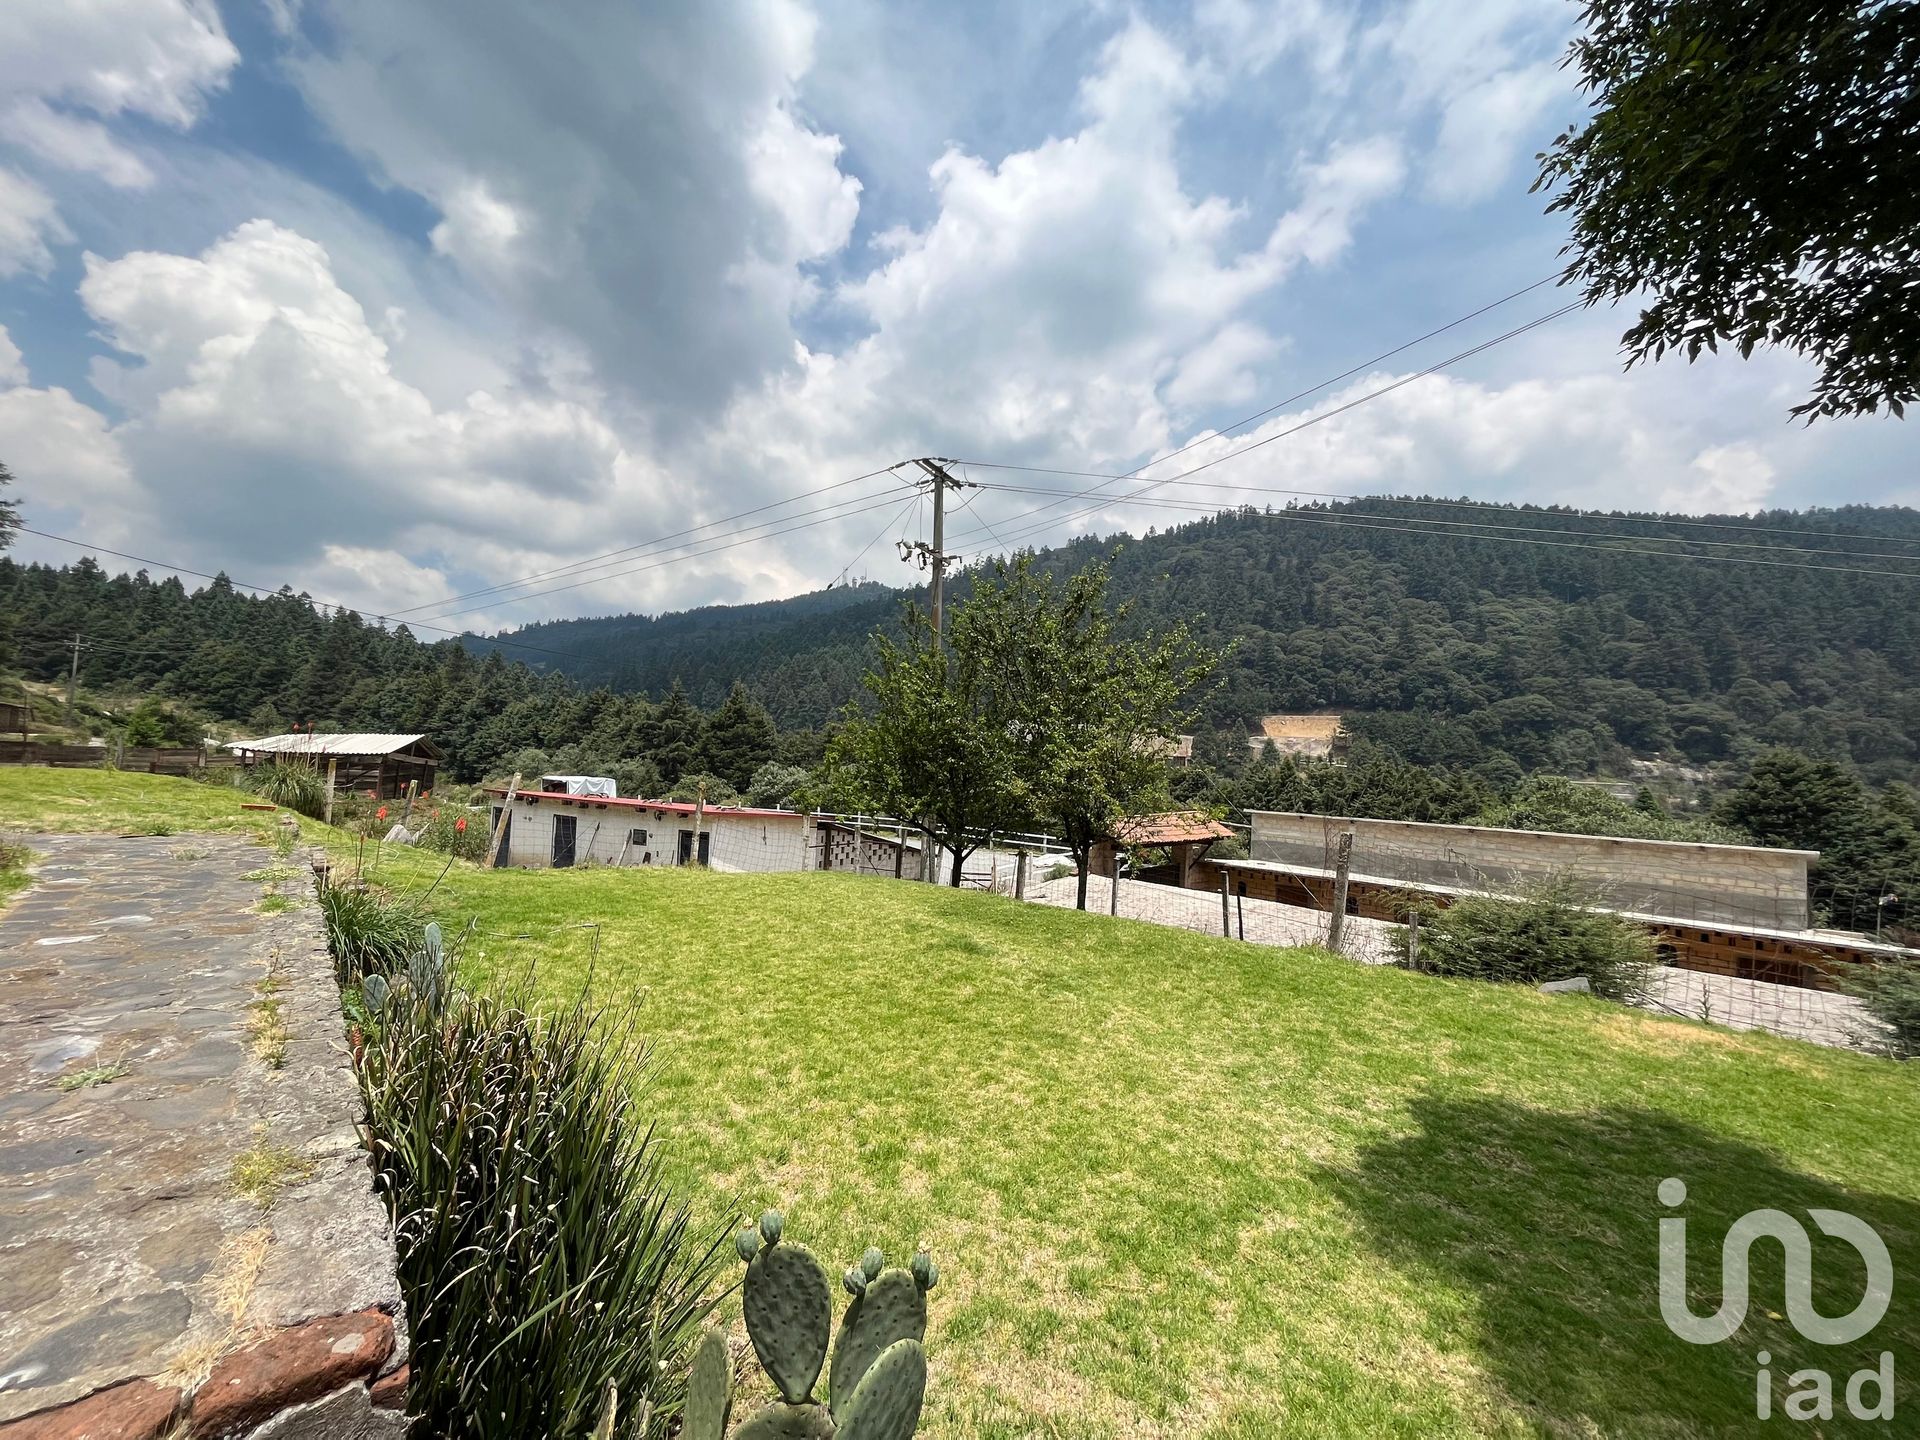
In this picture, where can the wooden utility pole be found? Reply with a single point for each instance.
(73, 674)
(699, 818)
(500, 825)
(1342, 861)
(935, 557)
(333, 766)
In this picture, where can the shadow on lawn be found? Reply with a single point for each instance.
(1536, 1235)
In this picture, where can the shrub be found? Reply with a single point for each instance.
(543, 1253)
(689, 788)
(774, 784)
(292, 785)
(1553, 933)
(368, 930)
(455, 830)
(1890, 992)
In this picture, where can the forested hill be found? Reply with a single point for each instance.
(1453, 648)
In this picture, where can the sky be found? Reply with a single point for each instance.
(394, 302)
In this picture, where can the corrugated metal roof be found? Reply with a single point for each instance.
(306, 744)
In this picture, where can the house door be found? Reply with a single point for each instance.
(504, 824)
(563, 832)
(687, 847)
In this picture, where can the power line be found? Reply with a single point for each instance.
(1412, 526)
(596, 561)
(885, 499)
(1324, 384)
(897, 519)
(1544, 512)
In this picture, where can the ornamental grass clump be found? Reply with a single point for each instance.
(369, 931)
(545, 1258)
(292, 785)
(1556, 931)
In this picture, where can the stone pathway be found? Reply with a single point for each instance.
(160, 1040)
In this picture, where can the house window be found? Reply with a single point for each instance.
(638, 837)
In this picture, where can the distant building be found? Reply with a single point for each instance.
(1314, 737)
(1176, 750)
(15, 717)
(552, 829)
(379, 765)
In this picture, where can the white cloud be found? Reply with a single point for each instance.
(63, 456)
(69, 142)
(29, 224)
(13, 369)
(157, 58)
(1724, 480)
(1485, 129)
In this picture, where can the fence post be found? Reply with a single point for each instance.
(1020, 875)
(1226, 910)
(1113, 897)
(1413, 940)
(332, 767)
(1342, 861)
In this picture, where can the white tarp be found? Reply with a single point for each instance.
(598, 786)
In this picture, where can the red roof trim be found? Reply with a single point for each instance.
(676, 807)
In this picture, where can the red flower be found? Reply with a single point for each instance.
(381, 813)
(461, 823)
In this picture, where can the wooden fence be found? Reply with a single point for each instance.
(155, 760)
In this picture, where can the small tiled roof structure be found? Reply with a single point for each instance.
(1298, 734)
(1178, 828)
(1174, 749)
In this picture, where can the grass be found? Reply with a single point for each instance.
(92, 1075)
(1178, 1185)
(263, 1170)
(14, 878)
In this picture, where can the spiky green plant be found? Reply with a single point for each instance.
(544, 1256)
(370, 931)
(291, 784)
(879, 1376)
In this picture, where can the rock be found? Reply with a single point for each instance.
(137, 1410)
(290, 1368)
(390, 1391)
(1577, 985)
(400, 835)
(344, 1415)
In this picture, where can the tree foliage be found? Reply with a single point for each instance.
(1754, 163)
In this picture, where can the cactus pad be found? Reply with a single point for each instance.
(746, 1241)
(926, 1274)
(771, 1226)
(709, 1390)
(886, 1403)
(894, 1308)
(787, 1422)
(788, 1303)
(873, 1262)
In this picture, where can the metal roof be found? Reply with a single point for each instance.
(308, 744)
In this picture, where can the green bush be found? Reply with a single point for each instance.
(1553, 933)
(292, 785)
(543, 1252)
(1891, 994)
(455, 830)
(368, 930)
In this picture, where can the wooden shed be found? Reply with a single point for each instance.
(361, 764)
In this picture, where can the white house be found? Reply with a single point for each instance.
(551, 828)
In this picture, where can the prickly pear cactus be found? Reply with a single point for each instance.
(780, 1421)
(375, 991)
(789, 1309)
(890, 1306)
(885, 1405)
(709, 1390)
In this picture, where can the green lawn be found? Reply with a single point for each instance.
(1182, 1186)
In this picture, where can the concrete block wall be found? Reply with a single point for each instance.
(1719, 884)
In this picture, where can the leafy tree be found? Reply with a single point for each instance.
(776, 785)
(1551, 802)
(939, 748)
(1752, 162)
(1094, 707)
(697, 786)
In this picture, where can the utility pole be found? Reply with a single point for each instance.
(73, 675)
(934, 557)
